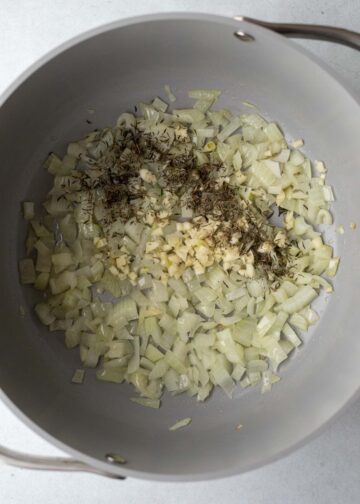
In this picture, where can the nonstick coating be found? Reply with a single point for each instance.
(110, 70)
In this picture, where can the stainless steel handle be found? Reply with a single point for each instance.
(307, 31)
(25, 461)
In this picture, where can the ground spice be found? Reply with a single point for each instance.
(200, 188)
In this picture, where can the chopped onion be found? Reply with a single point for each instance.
(221, 377)
(205, 94)
(148, 295)
(291, 335)
(78, 376)
(43, 311)
(332, 266)
(169, 93)
(189, 115)
(29, 210)
(180, 424)
(144, 401)
(125, 309)
(229, 129)
(27, 271)
(159, 105)
(302, 298)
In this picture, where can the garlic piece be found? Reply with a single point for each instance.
(147, 176)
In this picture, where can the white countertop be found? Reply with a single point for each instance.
(324, 471)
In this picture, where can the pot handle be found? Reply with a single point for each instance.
(305, 31)
(25, 461)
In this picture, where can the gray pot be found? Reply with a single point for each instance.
(110, 69)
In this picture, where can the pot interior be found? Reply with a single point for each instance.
(110, 72)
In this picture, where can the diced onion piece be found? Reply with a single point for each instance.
(27, 271)
(206, 94)
(134, 362)
(160, 105)
(205, 295)
(61, 261)
(153, 354)
(324, 217)
(235, 294)
(291, 335)
(273, 132)
(333, 266)
(42, 281)
(66, 280)
(233, 125)
(159, 369)
(187, 323)
(145, 401)
(320, 167)
(297, 143)
(245, 382)
(254, 377)
(175, 362)
(256, 365)
(78, 376)
(302, 298)
(227, 346)
(29, 210)
(243, 331)
(299, 321)
(275, 354)
(189, 115)
(112, 375)
(180, 424)
(266, 381)
(125, 309)
(222, 378)
(169, 93)
(204, 104)
(43, 311)
(265, 324)
(238, 372)
(54, 165)
(160, 292)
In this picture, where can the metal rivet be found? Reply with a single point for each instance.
(115, 459)
(244, 37)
